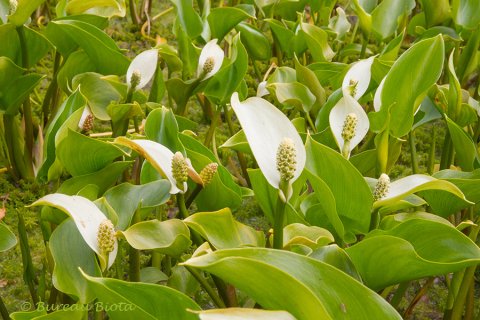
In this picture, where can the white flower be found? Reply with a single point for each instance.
(345, 106)
(86, 120)
(357, 79)
(160, 157)
(87, 218)
(210, 61)
(265, 128)
(145, 65)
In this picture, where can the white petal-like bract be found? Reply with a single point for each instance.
(358, 76)
(213, 52)
(266, 127)
(145, 64)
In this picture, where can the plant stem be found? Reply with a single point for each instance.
(193, 195)
(240, 155)
(134, 255)
(211, 130)
(413, 152)
(226, 292)
(50, 99)
(3, 310)
(447, 152)
(397, 297)
(133, 12)
(28, 271)
(183, 211)
(204, 283)
(278, 224)
(417, 298)
(431, 153)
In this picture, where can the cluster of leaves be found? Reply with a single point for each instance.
(355, 79)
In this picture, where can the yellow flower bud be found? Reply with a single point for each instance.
(208, 173)
(382, 187)
(286, 159)
(106, 237)
(349, 127)
(179, 169)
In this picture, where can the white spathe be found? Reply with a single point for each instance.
(145, 64)
(359, 74)
(213, 51)
(85, 214)
(159, 156)
(347, 104)
(265, 127)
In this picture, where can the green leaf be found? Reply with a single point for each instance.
(7, 238)
(296, 234)
(465, 149)
(72, 312)
(238, 142)
(170, 237)
(77, 63)
(352, 194)
(141, 300)
(16, 91)
(445, 204)
(436, 11)
(188, 17)
(182, 280)
(37, 46)
(222, 192)
(437, 249)
(464, 13)
(70, 252)
(101, 49)
(24, 9)
(89, 155)
(331, 294)
(267, 197)
(223, 231)
(337, 257)
(161, 126)
(404, 87)
(282, 35)
(103, 179)
(256, 43)
(317, 41)
(222, 20)
(126, 198)
(386, 16)
(98, 92)
(293, 93)
(104, 8)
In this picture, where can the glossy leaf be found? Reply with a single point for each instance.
(466, 151)
(140, 300)
(386, 16)
(126, 198)
(222, 20)
(101, 49)
(24, 9)
(161, 126)
(316, 39)
(256, 43)
(402, 97)
(464, 13)
(7, 238)
(438, 249)
(105, 8)
(188, 17)
(311, 236)
(70, 252)
(89, 155)
(331, 294)
(223, 231)
(170, 237)
(352, 194)
(223, 191)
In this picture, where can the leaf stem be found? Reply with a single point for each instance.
(278, 224)
(28, 272)
(134, 255)
(183, 211)
(204, 283)
(413, 152)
